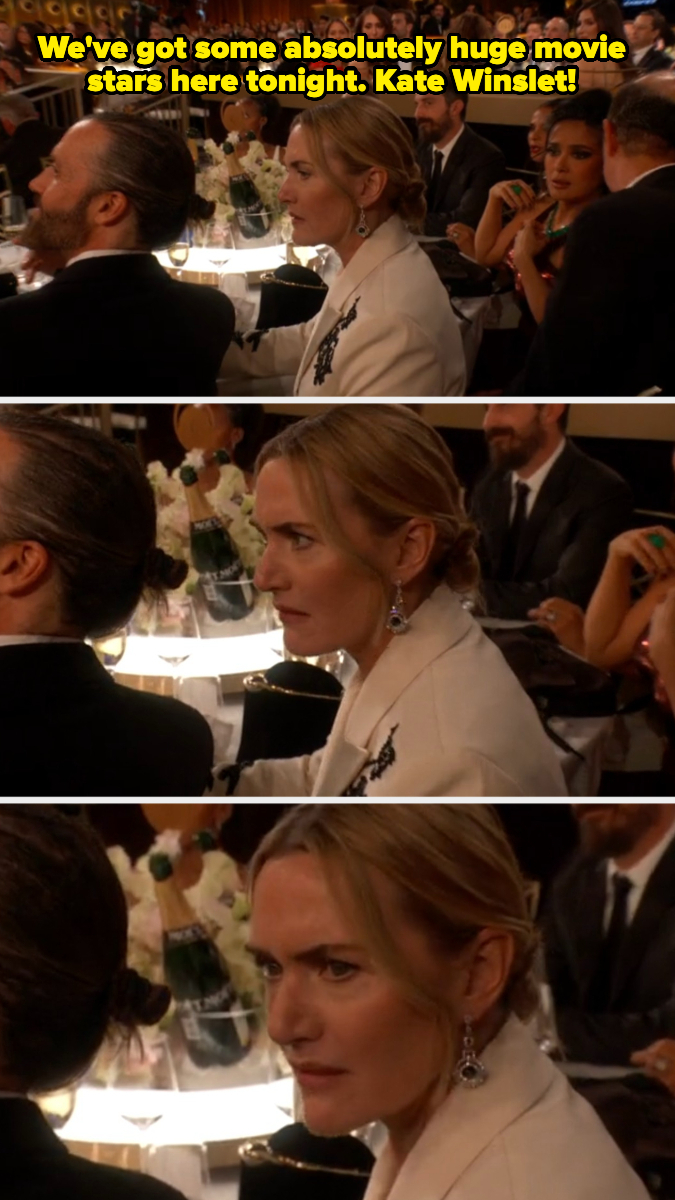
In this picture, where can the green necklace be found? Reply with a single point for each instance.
(550, 232)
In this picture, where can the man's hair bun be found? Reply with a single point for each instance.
(137, 1001)
(162, 572)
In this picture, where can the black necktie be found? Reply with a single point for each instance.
(515, 532)
(435, 180)
(601, 991)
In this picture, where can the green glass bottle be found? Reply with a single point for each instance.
(227, 592)
(212, 1019)
(253, 220)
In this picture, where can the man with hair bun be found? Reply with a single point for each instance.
(608, 325)
(112, 322)
(77, 551)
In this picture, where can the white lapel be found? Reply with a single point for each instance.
(388, 239)
(519, 1075)
(439, 623)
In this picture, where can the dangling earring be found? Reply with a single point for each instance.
(470, 1071)
(397, 621)
(362, 228)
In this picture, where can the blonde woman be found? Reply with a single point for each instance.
(386, 327)
(369, 550)
(397, 947)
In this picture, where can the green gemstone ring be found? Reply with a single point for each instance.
(517, 189)
(657, 540)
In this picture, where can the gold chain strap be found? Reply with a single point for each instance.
(259, 683)
(260, 1153)
(270, 277)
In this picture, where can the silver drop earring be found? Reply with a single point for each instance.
(470, 1071)
(362, 228)
(397, 621)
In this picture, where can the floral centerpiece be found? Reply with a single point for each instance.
(213, 182)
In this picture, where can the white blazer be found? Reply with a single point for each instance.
(386, 328)
(440, 714)
(524, 1135)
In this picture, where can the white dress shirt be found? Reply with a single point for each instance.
(639, 876)
(535, 482)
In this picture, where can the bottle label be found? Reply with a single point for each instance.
(186, 936)
(206, 525)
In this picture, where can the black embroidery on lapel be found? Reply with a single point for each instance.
(374, 768)
(324, 357)
(252, 339)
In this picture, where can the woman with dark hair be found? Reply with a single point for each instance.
(64, 987)
(77, 552)
(594, 18)
(374, 22)
(533, 240)
(261, 113)
(25, 49)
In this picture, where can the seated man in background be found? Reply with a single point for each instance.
(608, 324)
(77, 551)
(546, 511)
(458, 166)
(649, 27)
(609, 934)
(112, 322)
(28, 141)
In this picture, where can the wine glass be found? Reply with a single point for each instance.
(110, 650)
(219, 245)
(144, 1083)
(13, 215)
(179, 252)
(171, 629)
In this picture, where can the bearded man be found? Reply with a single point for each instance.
(545, 510)
(609, 934)
(112, 322)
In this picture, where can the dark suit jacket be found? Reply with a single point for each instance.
(114, 326)
(608, 324)
(37, 1166)
(69, 730)
(473, 166)
(642, 1007)
(655, 60)
(21, 154)
(433, 28)
(580, 508)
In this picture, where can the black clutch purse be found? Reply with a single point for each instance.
(460, 276)
(295, 1165)
(290, 295)
(289, 710)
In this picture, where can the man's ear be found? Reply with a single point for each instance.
(109, 208)
(23, 565)
(610, 140)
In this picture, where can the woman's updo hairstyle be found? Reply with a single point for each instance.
(453, 873)
(64, 983)
(395, 466)
(361, 132)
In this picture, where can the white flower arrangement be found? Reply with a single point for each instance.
(213, 182)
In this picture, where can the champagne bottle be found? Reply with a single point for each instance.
(227, 593)
(249, 208)
(210, 1013)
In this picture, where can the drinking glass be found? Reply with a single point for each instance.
(143, 1085)
(219, 245)
(13, 215)
(168, 627)
(110, 650)
(179, 252)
